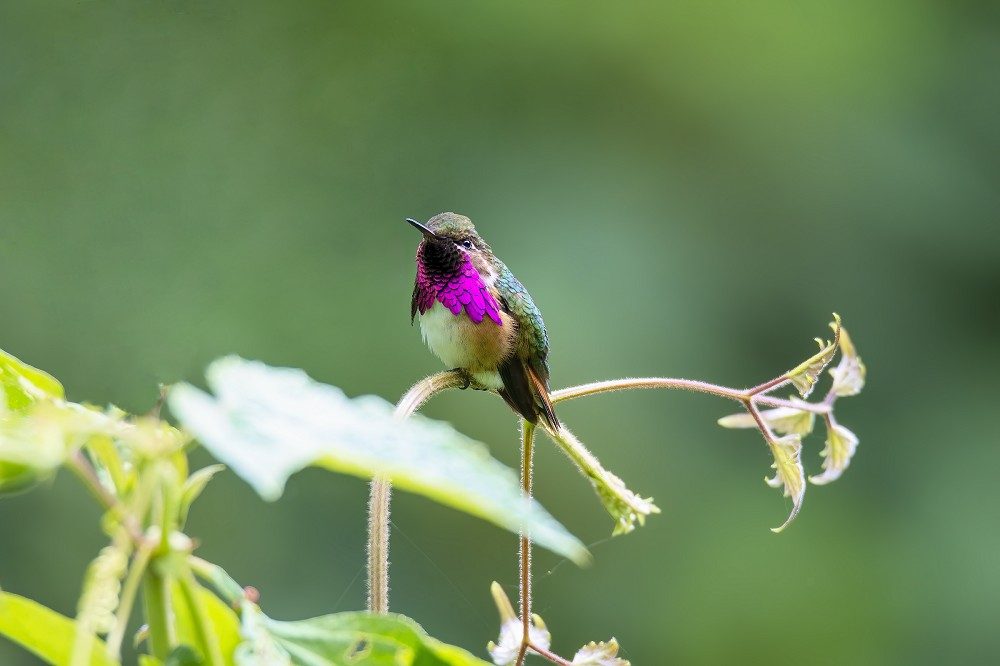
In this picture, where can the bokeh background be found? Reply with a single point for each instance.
(686, 188)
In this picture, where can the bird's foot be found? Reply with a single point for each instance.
(466, 377)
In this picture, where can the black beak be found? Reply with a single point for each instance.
(421, 228)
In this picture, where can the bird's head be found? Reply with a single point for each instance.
(448, 238)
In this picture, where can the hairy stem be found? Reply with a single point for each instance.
(380, 491)
(762, 425)
(380, 494)
(815, 408)
(768, 386)
(527, 468)
(610, 385)
(426, 389)
(550, 655)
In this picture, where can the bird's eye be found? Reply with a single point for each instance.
(466, 243)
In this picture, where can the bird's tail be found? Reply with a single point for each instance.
(527, 393)
(546, 411)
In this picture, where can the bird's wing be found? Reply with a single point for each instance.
(525, 373)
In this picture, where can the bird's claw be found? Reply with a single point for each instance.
(465, 378)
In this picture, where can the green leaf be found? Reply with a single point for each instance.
(193, 487)
(184, 655)
(222, 620)
(267, 423)
(16, 478)
(23, 385)
(37, 437)
(44, 632)
(788, 474)
(364, 639)
(841, 444)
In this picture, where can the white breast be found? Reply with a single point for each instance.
(443, 335)
(461, 343)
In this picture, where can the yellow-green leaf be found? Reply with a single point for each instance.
(841, 444)
(625, 506)
(784, 420)
(44, 632)
(193, 487)
(804, 375)
(33, 443)
(788, 475)
(16, 478)
(599, 654)
(23, 384)
(849, 375)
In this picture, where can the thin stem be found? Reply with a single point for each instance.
(647, 383)
(816, 408)
(550, 655)
(156, 600)
(380, 491)
(426, 389)
(527, 468)
(762, 425)
(379, 498)
(166, 475)
(521, 653)
(738, 395)
(771, 385)
(85, 472)
(129, 591)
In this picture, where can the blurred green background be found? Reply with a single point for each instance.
(686, 188)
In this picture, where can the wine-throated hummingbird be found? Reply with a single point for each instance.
(478, 319)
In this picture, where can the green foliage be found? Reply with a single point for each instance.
(137, 468)
(23, 384)
(349, 638)
(266, 423)
(795, 418)
(32, 448)
(43, 632)
(204, 622)
(15, 477)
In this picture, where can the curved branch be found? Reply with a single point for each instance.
(380, 490)
(611, 385)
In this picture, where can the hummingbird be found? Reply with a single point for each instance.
(479, 319)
